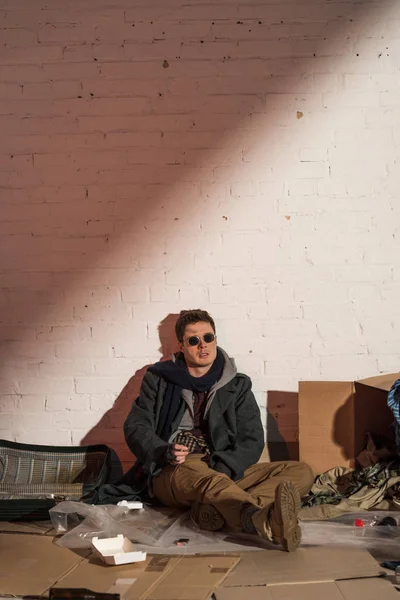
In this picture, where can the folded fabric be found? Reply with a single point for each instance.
(342, 490)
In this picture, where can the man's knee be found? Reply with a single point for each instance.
(306, 477)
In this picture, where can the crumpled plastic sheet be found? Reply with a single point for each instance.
(157, 530)
(81, 522)
(341, 531)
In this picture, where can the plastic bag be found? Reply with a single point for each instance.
(159, 529)
(183, 527)
(344, 531)
(147, 527)
(371, 518)
(81, 522)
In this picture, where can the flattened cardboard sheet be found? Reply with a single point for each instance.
(368, 589)
(308, 574)
(131, 581)
(306, 565)
(357, 589)
(261, 592)
(195, 578)
(27, 527)
(158, 578)
(30, 564)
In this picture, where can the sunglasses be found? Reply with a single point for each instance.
(194, 340)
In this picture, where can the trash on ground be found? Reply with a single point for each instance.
(117, 550)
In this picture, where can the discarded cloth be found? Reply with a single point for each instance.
(342, 490)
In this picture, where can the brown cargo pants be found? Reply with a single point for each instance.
(193, 481)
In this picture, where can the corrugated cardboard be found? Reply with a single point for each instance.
(30, 564)
(358, 589)
(307, 565)
(381, 382)
(195, 578)
(28, 527)
(367, 589)
(158, 578)
(133, 581)
(308, 574)
(335, 415)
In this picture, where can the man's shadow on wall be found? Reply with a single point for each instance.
(109, 430)
(280, 445)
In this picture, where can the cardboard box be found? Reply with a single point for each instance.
(158, 578)
(334, 417)
(308, 574)
(30, 564)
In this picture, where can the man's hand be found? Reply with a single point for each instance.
(177, 454)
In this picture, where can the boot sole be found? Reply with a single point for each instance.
(287, 504)
(206, 517)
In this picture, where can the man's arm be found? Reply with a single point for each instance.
(249, 442)
(140, 431)
(140, 427)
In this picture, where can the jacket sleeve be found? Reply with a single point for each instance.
(249, 443)
(140, 427)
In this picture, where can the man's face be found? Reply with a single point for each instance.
(202, 354)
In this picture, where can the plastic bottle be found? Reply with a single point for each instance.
(377, 520)
(361, 525)
(387, 523)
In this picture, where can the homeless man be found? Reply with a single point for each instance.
(197, 433)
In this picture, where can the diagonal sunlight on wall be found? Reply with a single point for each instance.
(258, 186)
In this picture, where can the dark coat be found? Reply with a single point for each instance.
(236, 436)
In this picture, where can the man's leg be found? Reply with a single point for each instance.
(277, 488)
(193, 481)
(262, 479)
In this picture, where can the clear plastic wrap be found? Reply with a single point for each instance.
(147, 527)
(347, 531)
(81, 522)
(370, 518)
(157, 530)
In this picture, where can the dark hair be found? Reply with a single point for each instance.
(186, 317)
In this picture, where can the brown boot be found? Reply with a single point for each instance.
(278, 523)
(206, 516)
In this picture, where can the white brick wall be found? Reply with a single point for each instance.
(239, 157)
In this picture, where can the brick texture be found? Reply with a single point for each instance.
(239, 156)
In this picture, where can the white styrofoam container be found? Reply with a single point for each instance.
(131, 504)
(117, 550)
